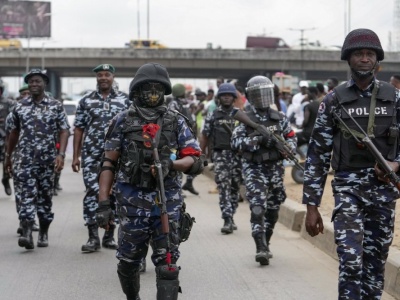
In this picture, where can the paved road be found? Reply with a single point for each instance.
(214, 266)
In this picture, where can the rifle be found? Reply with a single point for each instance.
(366, 141)
(281, 145)
(161, 200)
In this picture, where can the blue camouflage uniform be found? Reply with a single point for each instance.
(227, 167)
(34, 155)
(93, 114)
(263, 178)
(136, 206)
(6, 106)
(364, 212)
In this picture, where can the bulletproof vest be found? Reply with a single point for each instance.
(264, 154)
(221, 133)
(136, 158)
(347, 153)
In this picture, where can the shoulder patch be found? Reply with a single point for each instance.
(321, 108)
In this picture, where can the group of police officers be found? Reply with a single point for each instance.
(133, 170)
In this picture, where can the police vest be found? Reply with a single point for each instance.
(264, 154)
(347, 153)
(221, 133)
(136, 158)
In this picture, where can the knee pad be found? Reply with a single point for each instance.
(167, 272)
(257, 214)
(127, 269)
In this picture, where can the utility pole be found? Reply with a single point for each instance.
(148, 19)
(396, 25)
(303, 75)
(138, 18)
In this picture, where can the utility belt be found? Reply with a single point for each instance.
(257, 157)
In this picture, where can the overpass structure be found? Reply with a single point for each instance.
(186, 63)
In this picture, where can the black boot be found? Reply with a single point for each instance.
(7, 188)
(188, 186)
(93, 243)
(234, 226)
(271, 217)
(228, 225)
(129, 278)
(55, 193)
(261, 249)
(43, 238)
(108, 239)
(19, 230)
(26, 240)
(268, 235)
(35, 226)
(167, 282)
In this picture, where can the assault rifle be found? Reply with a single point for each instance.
(366, 141)
(281, 145)
(162, 201)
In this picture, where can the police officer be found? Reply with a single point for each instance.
(6, 106)
(179, 104)
(262, 163)
(36, 122)
(218, 126)
(93, 114)
(129, 144)
(363, 217)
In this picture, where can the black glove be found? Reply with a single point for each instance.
(267, 142)
(166, 166)
(104, 213)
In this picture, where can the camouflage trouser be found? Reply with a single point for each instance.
(2, 148)
(363, 234)
(140, 222)
(92, 191)
(227, 177)
(265, 188)
(33, 185)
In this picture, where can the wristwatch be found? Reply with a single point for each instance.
(62, 154)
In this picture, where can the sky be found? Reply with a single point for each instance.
(196, 23)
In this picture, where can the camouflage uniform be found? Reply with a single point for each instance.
(227, 166)
(263, 178)
(136, 206)
(363, 216)
(93, 114)
(34, 155)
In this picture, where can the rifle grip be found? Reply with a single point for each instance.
(164, 223)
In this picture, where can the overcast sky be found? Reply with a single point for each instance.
(225, 23)
(195, 23)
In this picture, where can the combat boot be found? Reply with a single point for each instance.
(228, 225)
(188, 186)
(20, 230)
(143, 266)
(43, 238)
(167, 282)
(93, 243)
(129, 278)
(35, 226)
(7, 187)
(108, 239)
(26, 240)
(234, 226)
(268, 234)
(261, 249)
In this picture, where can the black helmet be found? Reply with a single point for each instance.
(150, 72)
(362, 39)
(227, 88)
(260, 92)
(39, 72)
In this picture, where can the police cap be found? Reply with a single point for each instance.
(104, 67)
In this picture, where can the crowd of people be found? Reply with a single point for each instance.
(136, 149)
